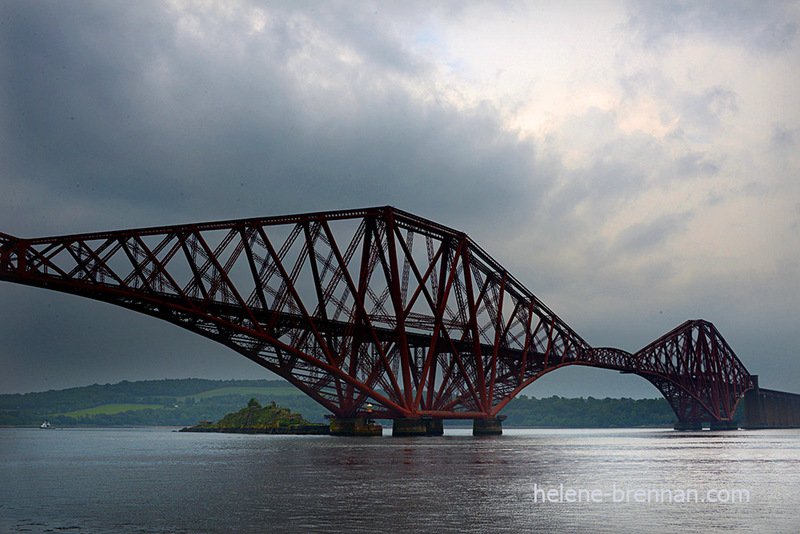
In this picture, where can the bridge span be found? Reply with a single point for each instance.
(377, 313)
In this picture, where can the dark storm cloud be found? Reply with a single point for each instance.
(137, 111)
(135, 114)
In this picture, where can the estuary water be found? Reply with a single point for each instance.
(528, 480)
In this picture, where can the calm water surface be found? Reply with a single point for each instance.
(157, 480)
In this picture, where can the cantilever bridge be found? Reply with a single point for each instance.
(372, 312)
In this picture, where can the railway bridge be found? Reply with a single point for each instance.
(378, 314)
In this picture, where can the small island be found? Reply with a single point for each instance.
(257, 419)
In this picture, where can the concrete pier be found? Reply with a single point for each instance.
(417, 426)
(487, 427)
(355, 426)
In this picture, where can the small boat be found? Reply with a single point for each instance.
(46, 424)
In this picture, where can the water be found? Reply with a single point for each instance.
(157, 480)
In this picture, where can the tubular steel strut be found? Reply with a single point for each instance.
(372, 305)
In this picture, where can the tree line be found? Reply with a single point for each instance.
(182, 405)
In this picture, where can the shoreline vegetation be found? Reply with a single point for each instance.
(257, 419)
(184, 402)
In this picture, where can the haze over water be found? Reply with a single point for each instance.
(156, 480)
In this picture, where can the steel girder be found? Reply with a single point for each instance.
(374, 305)
(693, 367)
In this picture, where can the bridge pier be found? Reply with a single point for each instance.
(724, 425)
(488, 427)
(688, 425)
(355, 426)
(417, 426)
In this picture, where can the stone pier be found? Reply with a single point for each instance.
(355, 426)
(487, 427)
(688, 425)
(417, 426)
(724, 425)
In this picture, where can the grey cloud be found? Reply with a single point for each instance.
(643, 237)
(696, 164)
(215, 127)
(714, 198)
(700, 111)
(706, 109)
(754, 189)
(118, 115)
(762, 27)
(783, 137)
(623, 166)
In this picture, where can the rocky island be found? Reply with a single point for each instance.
(257, 419)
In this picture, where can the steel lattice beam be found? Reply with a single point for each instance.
(345, 307)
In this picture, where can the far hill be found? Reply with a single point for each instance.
(179, 402)
(187, 401)
(145, 391)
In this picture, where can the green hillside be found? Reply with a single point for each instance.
(281, 389)
(187, 401)
(150, 403)
(108, 409)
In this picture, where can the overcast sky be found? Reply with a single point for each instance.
(635, 164)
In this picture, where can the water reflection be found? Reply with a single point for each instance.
(158, 481)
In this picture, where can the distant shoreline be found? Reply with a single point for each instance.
(183, 402)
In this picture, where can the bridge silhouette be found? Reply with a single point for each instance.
(377, 313)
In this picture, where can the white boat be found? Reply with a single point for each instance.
(46, 424)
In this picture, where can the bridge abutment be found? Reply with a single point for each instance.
(355, 426)
(766, 408)
(753, 407)
(488, 427)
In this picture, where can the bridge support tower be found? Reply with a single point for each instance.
(488, 427)
(688, 425)
(355, 426)
(724, 425)
(417, 426)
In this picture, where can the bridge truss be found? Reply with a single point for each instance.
(373, 306)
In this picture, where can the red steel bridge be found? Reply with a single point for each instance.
(374, 313)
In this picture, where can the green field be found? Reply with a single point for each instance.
(109, 409)
(251, 391)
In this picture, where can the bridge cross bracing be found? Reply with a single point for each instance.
(366, 307)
